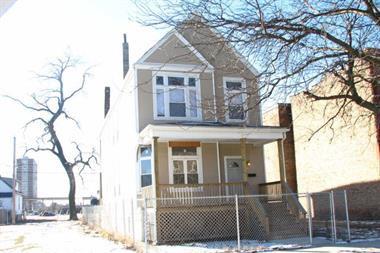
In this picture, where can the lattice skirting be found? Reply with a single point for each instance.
(206, 224)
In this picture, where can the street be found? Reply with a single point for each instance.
(44, 236)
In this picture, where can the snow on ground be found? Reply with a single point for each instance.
(231, 246)
(58, 236)
(250, 246)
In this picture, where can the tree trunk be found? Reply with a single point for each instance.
(72, 206)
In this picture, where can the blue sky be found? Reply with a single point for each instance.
(32, 33)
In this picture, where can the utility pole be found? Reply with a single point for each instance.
(14, 183)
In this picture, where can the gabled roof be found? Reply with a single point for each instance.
(8, 181)
(237, 54)
(183, 40)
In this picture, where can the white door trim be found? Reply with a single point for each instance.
(198, 157)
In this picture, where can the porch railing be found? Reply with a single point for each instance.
(273, 190)
(192, 194)
(277, 191)
(294, 205)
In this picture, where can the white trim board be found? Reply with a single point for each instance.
(190, 68)
(204, 133)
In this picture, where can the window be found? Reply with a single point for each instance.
(176, 96)
(235, 98)
(145, 166)
(177, 104)
(185, 165)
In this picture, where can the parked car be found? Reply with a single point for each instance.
(47, 213)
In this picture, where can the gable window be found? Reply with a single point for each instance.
(234, 90)
(185, 165)
(176, 96)
(145, 163)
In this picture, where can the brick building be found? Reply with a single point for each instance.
(342, 155)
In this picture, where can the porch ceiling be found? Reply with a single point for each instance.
(167, 132)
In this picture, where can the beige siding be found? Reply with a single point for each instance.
(173, 51)
(145, 98)
(226, 64)
(210, 165)
(163, 167)
(209, 162)
(254, 154)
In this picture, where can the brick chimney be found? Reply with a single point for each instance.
(125, 56)
(107, 100)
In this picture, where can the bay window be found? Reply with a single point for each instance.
(176, 96)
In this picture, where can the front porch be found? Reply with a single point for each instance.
(199, 171)
(204, 161)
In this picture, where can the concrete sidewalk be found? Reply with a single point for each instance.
(355, 247)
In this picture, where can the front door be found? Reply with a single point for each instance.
(233, 169)
(234, 174)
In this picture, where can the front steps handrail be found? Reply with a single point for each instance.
(294, 205)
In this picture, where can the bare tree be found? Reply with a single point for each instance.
(50, 106)
(294, 43)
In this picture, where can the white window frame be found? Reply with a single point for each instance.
(166, 89)
(197, 157)
(140, 158)
(226, 100)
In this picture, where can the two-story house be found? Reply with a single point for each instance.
(186, 126)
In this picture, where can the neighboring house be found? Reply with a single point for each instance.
(344, 155)
(180, 130)
(6, 193)
(27, 175)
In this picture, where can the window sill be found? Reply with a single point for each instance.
(177, 118)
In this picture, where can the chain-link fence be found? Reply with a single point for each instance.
(228, 222)
(247, 221)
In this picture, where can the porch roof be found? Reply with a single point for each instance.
(203, 132)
